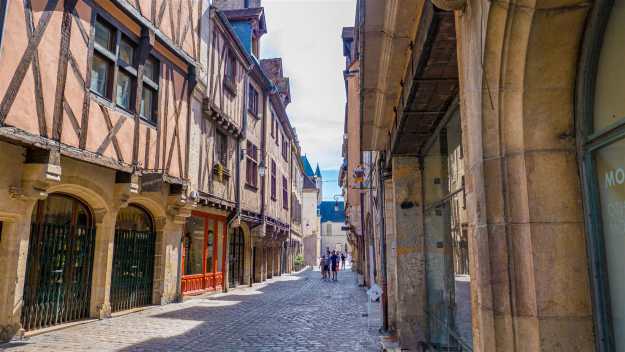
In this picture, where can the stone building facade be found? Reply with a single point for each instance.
(333, 233)
(126, 127)
(311, 218)
(493, 130)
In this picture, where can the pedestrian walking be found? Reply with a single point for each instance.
(334, 261)
(323, 266)
(343, 257)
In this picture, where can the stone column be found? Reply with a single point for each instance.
(527, 246)
(247, 256)
(100, 305)
(268, 261)
(167, 260)
(411, 321)
(391, 255)
(14, 241)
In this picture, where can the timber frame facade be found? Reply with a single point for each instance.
(131, 131)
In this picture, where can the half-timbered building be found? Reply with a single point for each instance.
(217, 133)
(137, 139)
(94, 128)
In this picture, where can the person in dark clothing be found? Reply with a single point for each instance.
(334, 262)
(343, 261)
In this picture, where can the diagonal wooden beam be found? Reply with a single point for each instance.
(178, 20)
(161, 13)
(72, 118)
(74, 65)
(112, 132)
(176, 136)
(36, 67)
(185, 29)
(138, 6)
(81, 27)
(193, 28)
(172, 24)
(146, 156)
(165, 115)
(25, 61)
(153, 12)
(61, 74)
(86, 101)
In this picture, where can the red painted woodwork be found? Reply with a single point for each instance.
(207, 281)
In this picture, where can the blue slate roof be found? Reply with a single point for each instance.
(308, 171)
(328, 214)
(243, 30)
(318, 171)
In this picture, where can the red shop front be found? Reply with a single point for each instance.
(204, 254)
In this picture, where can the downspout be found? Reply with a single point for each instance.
(381, 177)
(363, 230)
(288, 248)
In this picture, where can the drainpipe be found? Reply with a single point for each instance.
(363, 230)
(381, 178)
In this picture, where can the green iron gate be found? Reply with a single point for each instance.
(57, 287)
(133, 260)
(236, 259)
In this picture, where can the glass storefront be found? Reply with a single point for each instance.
(447, 258)
(204, 252)
(602, 102)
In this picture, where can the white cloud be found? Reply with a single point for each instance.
(307, 35)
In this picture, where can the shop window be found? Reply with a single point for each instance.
(194, 246)
(602, 123)
(446, 240)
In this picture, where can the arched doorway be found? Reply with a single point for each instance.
(237, 258)
(60, 255)
(133, 259)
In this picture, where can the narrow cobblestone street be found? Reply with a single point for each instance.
(288, 313)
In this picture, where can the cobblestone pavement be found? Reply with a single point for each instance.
(288, 313)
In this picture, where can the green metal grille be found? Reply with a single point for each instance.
(58, 276)
(236, 258)
(133, 269)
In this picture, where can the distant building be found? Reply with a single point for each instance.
(311, 221)
(333, 237)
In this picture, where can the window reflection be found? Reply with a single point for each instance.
(194, 246)
(446, 241)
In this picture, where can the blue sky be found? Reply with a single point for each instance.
(307, 35)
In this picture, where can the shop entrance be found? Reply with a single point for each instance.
(203, 261)
(133, 259)
(58, 270)
(236, 258)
